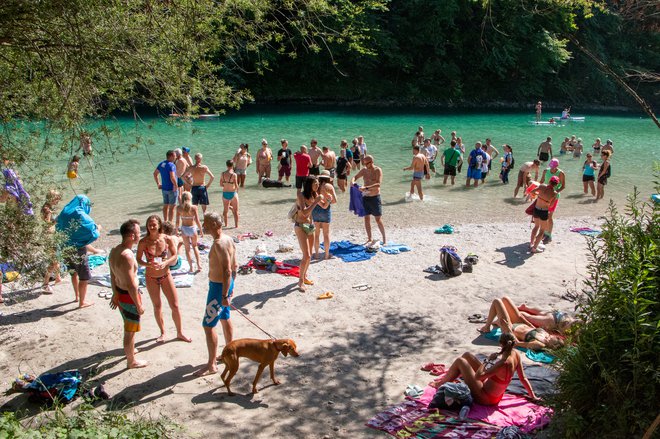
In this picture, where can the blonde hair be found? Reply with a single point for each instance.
(186, 202)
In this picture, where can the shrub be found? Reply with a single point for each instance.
(609, 380)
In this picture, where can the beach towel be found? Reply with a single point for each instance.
(14, 187)
(96, 261)
(394, 249)
(586, 231)
(412, 419)
(541, 357)
(355, 204)
(282, 268)
(349, 252)
(75, 221)
(511, 410)
(50, 387)
(447, 229)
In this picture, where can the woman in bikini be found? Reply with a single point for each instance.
(242, 159)
(512, 321)
(229, 184)
(488, 385)
(187, 218)
(546, 195)
(159, 253)
(558, 321)
(322, 214)
(306, 201)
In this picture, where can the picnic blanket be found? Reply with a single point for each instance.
(541, 357)
(412, 419)
(282, 268)
(349, 252)
(182, 279)
(394, 249)
(511, 410)
(586, 231)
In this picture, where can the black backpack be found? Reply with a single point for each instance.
(450, 263)
(513, 162)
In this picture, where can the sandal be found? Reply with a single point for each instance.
(326, 295)
(308, 282)
(363, 287)
(244, 269)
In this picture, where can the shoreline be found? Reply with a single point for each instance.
(358, 350)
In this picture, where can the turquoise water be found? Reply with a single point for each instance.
(126, 188)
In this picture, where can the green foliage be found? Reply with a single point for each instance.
(88, 423)
(609, 385)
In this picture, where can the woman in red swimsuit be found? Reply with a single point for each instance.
(160, 253)
(488, 385)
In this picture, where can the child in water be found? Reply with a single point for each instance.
(72, 168)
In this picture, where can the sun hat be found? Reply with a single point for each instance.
(324, 174)
(554, 163)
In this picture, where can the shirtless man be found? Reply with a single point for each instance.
(544, 152)
(187, 185)
(373, 177)
(329, 160)
(539, 109)
(181, 166)
(608, 147)
(420, 167)
(563, 148)
(264, 157)
(199, 190)
(124, 283)
(222, 271)
(315, 154)
(525, 175)
(491, 151)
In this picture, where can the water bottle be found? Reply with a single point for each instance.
(465, 410)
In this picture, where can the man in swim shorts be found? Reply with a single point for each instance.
(420, 168)
(450, 159)
(315, 154)
(544, 152)
(303, 165)
(329, 160)
(222, 271)
(125, 293)
(475, 160)
(525, 175)
(168, 184)
(199, 189)
(373, 178)
(181, 166)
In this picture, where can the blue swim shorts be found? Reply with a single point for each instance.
(214, 309)
(418, 175)
(170, 197)
(474, 173)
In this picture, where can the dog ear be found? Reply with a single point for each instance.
(285, 349)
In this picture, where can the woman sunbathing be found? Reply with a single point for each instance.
(550, 321)
(511, 321)
(488, 385)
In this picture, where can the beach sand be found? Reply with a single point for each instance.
(358, 351)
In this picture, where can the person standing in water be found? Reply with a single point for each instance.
(264, 157)
(200, 188)
(242, 159)
(539, 110)
(229, 184)
(420, 168)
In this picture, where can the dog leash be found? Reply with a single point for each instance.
(248, 319)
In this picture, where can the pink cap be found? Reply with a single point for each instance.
(554, 163)
(554, 180)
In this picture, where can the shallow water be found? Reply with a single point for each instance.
(127, 188)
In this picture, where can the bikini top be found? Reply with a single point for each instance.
(150, 256)
(231, 178)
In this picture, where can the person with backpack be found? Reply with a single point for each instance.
(507, 164)
(603, 174)
(475, 160)
(450, 159)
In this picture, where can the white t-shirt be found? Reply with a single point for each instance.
(484, 163)
(430, 152)
(363, 149)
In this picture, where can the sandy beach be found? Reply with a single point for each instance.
(358, 350)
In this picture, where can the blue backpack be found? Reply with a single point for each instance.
(450, 263)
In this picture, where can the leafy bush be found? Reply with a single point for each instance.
(610, 380)
(89, 423)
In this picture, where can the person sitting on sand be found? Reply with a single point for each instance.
(488, 385)
(125, 293)
(187, 218)
(160, 253)
(511, 321)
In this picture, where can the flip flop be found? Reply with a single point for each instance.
(308, 282)
(269, 233)
(326, 295)
(477, 318)
(363, 287)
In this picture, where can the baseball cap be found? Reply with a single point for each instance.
(554, 180)
(554, 163)
(185, 149)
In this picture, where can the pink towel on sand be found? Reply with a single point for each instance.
(511, 410)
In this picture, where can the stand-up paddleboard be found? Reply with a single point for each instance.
(573, 118)
(208, 116)
(542, 122)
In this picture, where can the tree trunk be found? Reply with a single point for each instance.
(608, 71)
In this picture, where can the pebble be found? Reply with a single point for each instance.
(336, 428)
(330, 402)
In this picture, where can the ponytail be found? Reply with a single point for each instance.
(507, 342)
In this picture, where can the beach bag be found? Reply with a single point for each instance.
(49, 388)
(451, 396)
(293, 213)
(450, 263)
(530, 208)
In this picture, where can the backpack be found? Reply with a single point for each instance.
(513, 162)
(450, 263)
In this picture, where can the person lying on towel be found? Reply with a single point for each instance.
(488, 385)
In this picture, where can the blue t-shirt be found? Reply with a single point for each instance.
(165, 167)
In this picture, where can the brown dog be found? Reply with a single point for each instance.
(264, 352)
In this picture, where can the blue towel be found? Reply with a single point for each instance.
(355, 204)
(75, 221)
(349, 252)
(394, 249)
(541, 357)
(96, 261)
